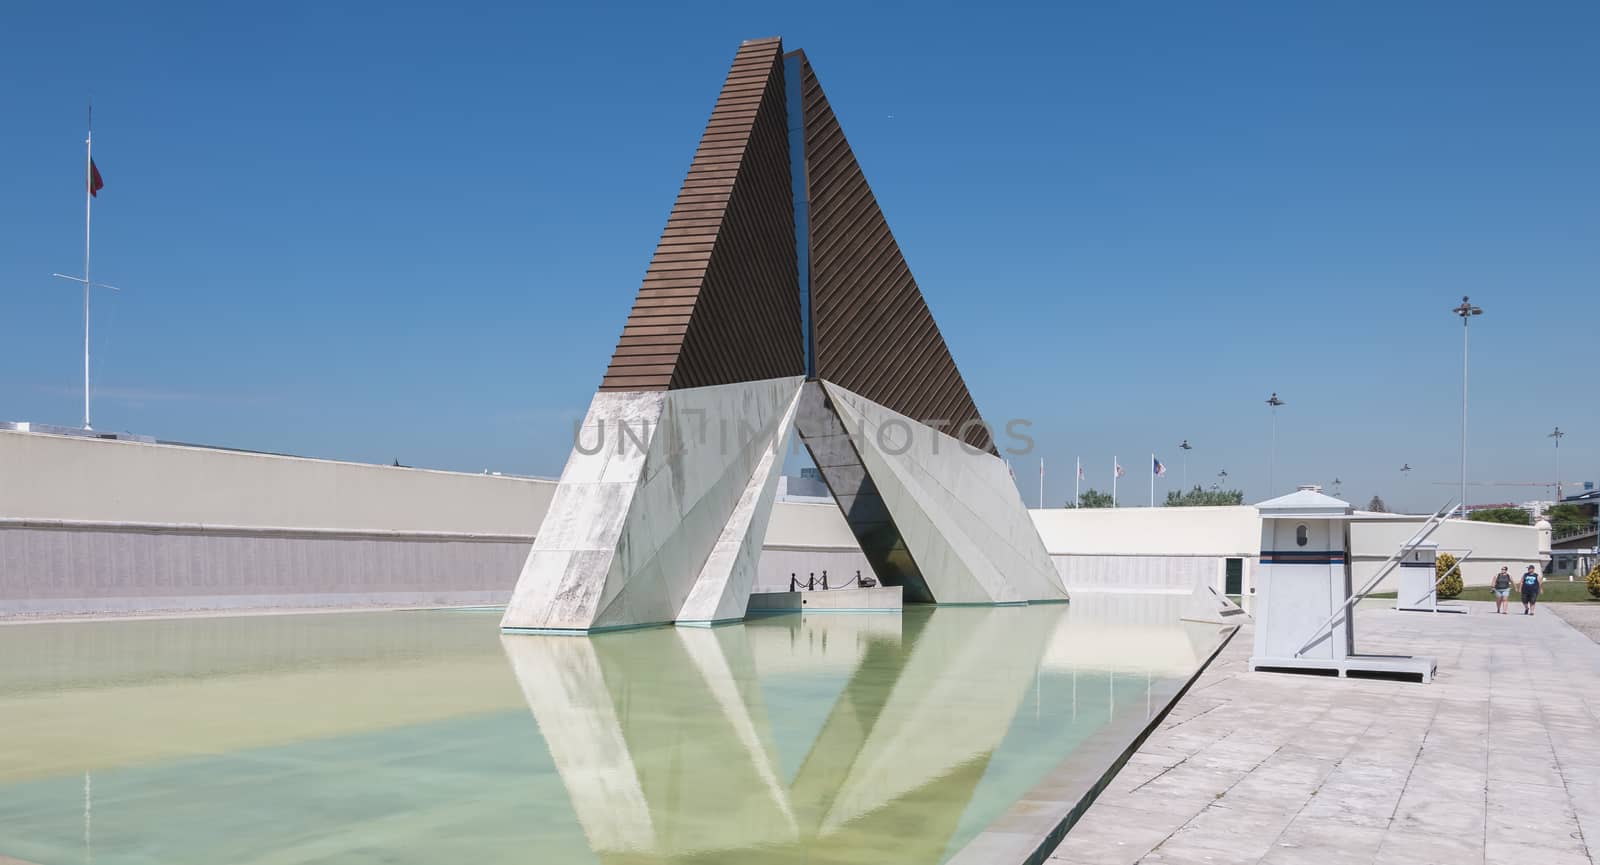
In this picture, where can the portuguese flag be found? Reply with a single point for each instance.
(95, 183)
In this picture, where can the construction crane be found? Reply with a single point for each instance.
(1550, 484)
(1496, 483)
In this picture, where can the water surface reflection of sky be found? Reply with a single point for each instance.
(426, 737)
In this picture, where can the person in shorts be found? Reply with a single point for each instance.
(1502, 590)
(1531, 583)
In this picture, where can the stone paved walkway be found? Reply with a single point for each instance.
(1496, 761)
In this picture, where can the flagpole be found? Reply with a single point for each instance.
(1114, 466)
(1077, 477)
(88, 210)
(1152, 479)
(1041, 482)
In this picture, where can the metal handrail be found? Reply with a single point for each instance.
(1422, 534)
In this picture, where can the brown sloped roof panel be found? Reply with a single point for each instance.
(873, 330)
(720, 302)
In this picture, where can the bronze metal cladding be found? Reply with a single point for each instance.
(720, 302)
(873, 331)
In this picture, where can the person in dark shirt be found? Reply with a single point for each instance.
(1502, 590)
(1531, 583)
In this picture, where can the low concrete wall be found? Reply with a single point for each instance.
(49, 477)
(91, 525)
(1164, 550)
(1219, 532)
(1167, 549)
(1134, 573)
(1493, 546)
(77, 567)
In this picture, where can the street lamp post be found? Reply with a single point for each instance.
(1557, 435)
(1272, 457)
(1466, 310)
(1185, 447)
(1405, 485)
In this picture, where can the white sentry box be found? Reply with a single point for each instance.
(1304, 620)
(1419, 579)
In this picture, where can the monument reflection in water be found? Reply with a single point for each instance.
(407, 737)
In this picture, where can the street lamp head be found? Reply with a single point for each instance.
(1557, 435)
(1466, 309)
(1186, 446)
(1274, 401)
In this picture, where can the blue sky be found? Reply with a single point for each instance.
(413, 231)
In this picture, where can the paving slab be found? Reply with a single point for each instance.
(1497, 760)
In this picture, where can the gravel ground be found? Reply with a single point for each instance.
(1584, 617)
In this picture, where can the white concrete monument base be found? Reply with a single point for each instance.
(956, 508)
(660, 512)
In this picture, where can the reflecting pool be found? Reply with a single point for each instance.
(428, 737)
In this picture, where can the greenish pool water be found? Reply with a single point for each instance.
(428, 737)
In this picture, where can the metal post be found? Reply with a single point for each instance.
(88, 198)
(1557, 435)
(1464, 331)
(1272, 457)
(1186, 447)
(88, 285)
(1466, 310)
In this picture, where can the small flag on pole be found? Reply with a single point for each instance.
(1158, 468)
(1080, 468)
(1120, 472)
(95, 183)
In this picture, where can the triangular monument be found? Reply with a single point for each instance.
(777, 301)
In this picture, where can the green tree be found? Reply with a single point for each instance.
(1092, 498)
(1449, 586)
(1510, 516)
(1201, 497)
(1377, 506)
(1566, 518)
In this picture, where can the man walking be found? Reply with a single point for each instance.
(1502, 590)
(1531, 583)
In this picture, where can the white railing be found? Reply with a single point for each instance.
(1422, 534)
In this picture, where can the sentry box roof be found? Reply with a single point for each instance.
(1302, 504)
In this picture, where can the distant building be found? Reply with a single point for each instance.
(1572, 552)
(805, 488)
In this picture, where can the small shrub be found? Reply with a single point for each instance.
(1594, 581)
(1449, 586)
